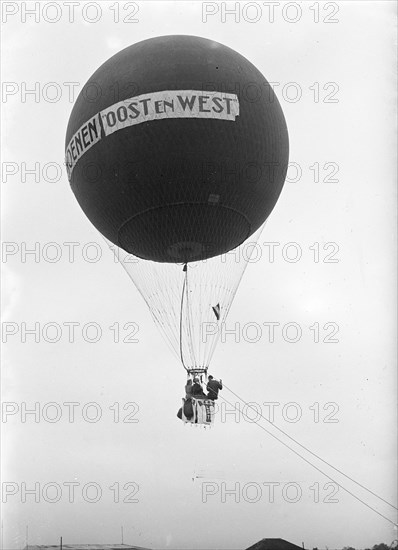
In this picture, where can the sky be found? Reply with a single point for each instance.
(105, 449)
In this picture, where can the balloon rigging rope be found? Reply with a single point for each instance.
(230, 290)
(314, 454)
(189, 321)
(181, 309)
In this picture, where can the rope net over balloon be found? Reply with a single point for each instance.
(179, 171)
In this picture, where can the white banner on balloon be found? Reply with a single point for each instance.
(169, 104)
(146, 107)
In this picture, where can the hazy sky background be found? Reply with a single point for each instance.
(172, 463)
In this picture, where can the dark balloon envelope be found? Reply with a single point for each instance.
(177, 149)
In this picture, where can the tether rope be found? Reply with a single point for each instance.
(314, 454)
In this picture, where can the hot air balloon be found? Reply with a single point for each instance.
(177, 151)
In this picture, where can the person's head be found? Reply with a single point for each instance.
(211, 377)
(189, 382)
(196, 379)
